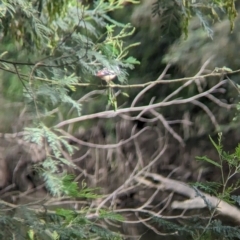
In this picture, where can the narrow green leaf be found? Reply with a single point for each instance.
(125, 94)
(204, 158)
(218, 148)
(131, 60)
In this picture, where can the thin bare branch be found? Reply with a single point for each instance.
(112, 113)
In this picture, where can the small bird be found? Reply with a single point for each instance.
(106, 74)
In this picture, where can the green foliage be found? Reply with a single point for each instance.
(204, 158)
(219, 231)
(194, 229)
(70, 188)
(208, 187)
(171, 227)
(170, 15)
(206, 226)
(63, 224)
(229, 166)
(59, 45)
(207, 11)
(232, 161)
(73, 47)
(236, 199)
(103, 214)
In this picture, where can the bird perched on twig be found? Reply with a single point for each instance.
(106, 74)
